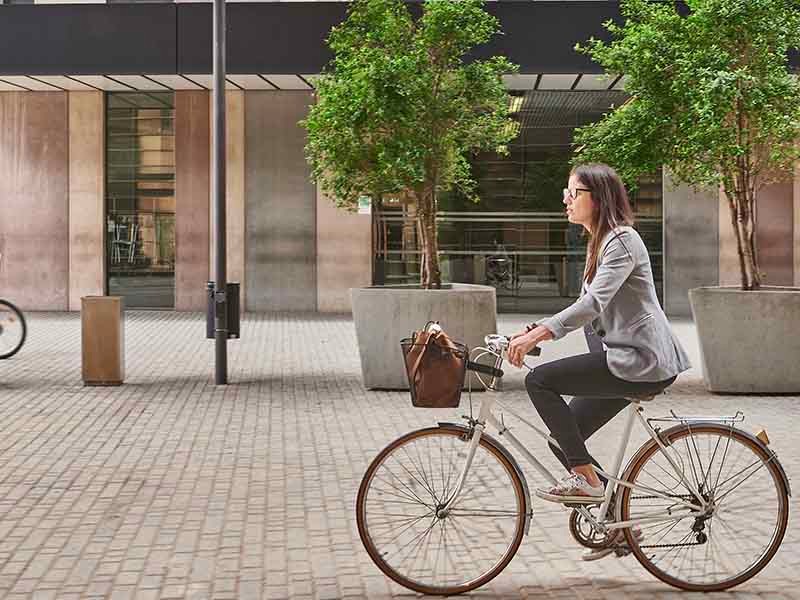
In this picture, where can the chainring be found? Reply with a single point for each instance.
(583, 532)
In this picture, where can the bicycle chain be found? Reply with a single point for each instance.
(683, 497)
(671, 545)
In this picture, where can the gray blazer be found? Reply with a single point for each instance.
(623, 310)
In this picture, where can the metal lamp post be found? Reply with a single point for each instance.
(218, 150)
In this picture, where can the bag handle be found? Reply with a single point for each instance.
(415, 366)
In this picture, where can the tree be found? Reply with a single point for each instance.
(712, 98)
(399, 109)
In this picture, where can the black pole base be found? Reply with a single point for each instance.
(221, 356)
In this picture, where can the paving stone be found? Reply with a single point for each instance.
(171, 487)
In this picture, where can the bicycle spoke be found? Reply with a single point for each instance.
(410, 495)
(674, 549)
(441, 551)
(700, 468)
(416, 541)
(406, 524)
(423, 484)
(664, 486)
(450, 472)
(661, 525)
(407, 502)
(691, 460)
(746, 509)
(711, 462)
(491, 514)
(760, 464)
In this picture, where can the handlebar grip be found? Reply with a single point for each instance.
(485, 369)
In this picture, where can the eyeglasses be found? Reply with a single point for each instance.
(568, 193)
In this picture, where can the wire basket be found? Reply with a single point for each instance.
(436, 367)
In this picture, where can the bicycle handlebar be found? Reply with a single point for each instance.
(499, 343)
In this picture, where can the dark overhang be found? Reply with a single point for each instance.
(270, 37)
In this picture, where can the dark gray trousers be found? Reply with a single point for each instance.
(597, 399)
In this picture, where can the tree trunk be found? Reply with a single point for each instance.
(754, 239)
(740, 203)
(430, 274)
(423, 260)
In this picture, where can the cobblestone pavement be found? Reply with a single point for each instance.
(170, 487)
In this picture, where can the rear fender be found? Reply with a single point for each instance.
(666, 438)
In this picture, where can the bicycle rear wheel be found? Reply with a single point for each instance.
(736, 537)
(13, 329)
(406, 535)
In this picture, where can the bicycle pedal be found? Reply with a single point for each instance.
(582, 504)
(622, 551)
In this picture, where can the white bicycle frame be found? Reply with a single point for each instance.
(602, 522)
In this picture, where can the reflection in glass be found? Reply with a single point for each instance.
(517, 237)
(140, 198)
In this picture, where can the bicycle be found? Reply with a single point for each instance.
(443, 510)
(501, 271)
(13, 329)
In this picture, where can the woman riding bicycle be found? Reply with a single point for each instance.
(633, 350)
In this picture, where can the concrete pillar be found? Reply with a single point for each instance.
(234, 192)
(691, 247)
(87, 268)
(775, 237)
(344, 255)
(34, 208)
(192, 197)
(774, 231)
(281, 204)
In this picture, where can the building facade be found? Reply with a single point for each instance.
(105, 168)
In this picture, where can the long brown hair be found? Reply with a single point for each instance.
(610, 207)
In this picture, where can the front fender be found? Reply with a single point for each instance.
(506, 454)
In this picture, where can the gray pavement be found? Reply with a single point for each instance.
(170, 487)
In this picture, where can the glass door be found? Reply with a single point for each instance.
(517, 238)
(140, 198)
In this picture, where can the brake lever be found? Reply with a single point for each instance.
(535, 351)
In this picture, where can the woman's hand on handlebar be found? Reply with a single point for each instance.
(519, 346)
(522, 343)
(516, 335)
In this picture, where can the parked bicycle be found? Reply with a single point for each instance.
(13, 329)
(501, 271)
(702, 505)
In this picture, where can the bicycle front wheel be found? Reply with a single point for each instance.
(739, 532)
(12, 329)
(402, 526)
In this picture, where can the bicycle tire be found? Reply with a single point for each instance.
(380, 554)
(15, 313)
(641, 546)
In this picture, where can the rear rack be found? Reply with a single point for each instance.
(673, 418)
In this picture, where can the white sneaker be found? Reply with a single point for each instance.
(573, 489)
(619, 547)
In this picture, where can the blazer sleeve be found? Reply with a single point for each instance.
(615, 266)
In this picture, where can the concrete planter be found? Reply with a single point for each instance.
(749, 340)
(385, 315)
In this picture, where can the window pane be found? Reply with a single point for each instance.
(517, 238)
(140, 198)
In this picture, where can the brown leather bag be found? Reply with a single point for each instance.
(435, 366)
